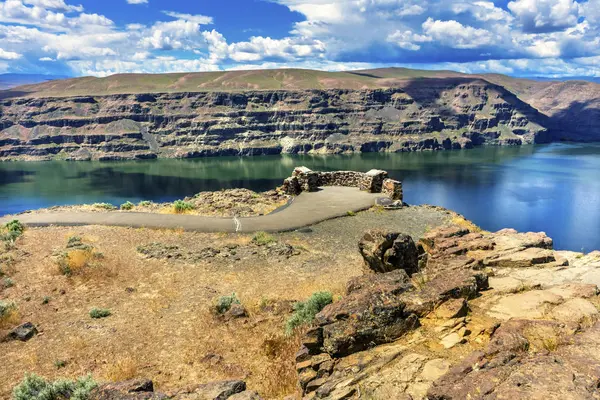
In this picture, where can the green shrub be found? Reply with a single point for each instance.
(60, 364)
(100, 313)
(12, 231)
(7, 282)
(127, 206)
(145, 203)
(104, 206)
(34, 387)
(263, 238)
(75, 242)
(305, 311)
(351, 213)
(224, 303)
(181, 206)
(46, 299)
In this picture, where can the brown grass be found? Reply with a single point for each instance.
(465, 223)
(162, 327)
(10, 318)
(121, 370)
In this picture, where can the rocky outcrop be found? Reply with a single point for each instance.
(428, 114)
(23, 333)
(523, 314)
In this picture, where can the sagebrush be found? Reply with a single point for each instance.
(34, 387)
(305, 311)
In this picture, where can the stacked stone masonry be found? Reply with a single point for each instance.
(375, 181)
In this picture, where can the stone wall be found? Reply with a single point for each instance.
(375, 181)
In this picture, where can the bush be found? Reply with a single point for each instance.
(7, 308)
(100, 313)
(77, 256)
(145, 203)
(181, 206)
(12, 231)
(224, 303)
(34, 387)
(263, 238)
(305, 312)
(104, 206)
(7, 282)
(351, 213)
(127, 206)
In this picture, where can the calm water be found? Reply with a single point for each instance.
(553, 188)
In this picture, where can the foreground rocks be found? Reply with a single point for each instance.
(482, 315)
(143, 389)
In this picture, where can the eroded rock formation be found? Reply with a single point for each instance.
(432, 114)
(485, 316)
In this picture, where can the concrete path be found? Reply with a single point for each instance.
(306, 209)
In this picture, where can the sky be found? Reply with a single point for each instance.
(530, 38)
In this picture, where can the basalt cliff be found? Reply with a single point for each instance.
(186, 121)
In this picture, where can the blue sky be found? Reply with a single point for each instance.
(553, 38)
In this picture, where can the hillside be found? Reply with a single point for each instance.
(288, 111)
(276, 79)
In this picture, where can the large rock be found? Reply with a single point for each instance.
(220, 390)
(387, 251)
(135, 389)
(22, 332)
(362, 319)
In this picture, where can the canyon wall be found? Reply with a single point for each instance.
(420, 114)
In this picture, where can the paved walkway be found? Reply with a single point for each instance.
(306, 209)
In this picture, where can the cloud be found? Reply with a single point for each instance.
(9, 55)
(454, 34)
(538, 16)
(408, 40)
(523, 36)
(54, 4)
(198, 19)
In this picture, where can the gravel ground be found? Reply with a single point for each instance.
(344, 233)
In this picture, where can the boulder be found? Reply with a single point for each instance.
(387, 251)
(362, 319)
(22, 332)
(135, 389)
(220, 390)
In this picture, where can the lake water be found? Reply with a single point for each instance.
(553, 188)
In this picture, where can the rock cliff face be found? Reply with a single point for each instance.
(419, 114)
(463, 315)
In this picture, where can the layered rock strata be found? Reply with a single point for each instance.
(424, 114)
(480, 316)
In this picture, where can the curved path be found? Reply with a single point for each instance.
(305, 209)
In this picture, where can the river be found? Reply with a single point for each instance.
(553, 188)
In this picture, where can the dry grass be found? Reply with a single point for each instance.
(465, 223)
(121, 370)
(161, 309)
(10, 315)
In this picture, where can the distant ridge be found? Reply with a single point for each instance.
(572, 105)
(8, 81)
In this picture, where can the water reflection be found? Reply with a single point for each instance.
(553, 188)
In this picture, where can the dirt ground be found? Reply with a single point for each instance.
(162, 326)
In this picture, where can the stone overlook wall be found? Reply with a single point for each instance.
(375, 181)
